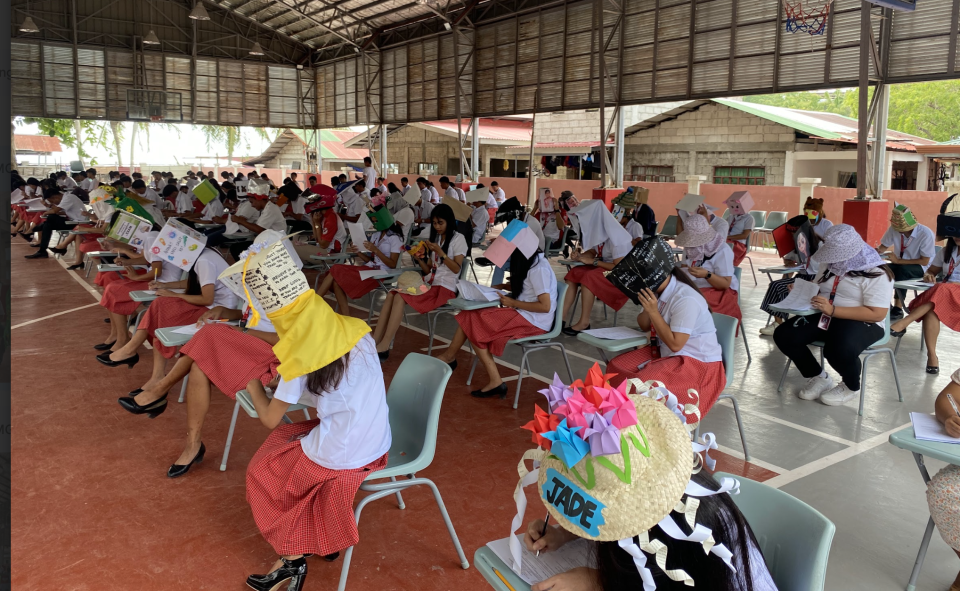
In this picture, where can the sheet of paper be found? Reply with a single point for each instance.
(539, 568)
(690, 203)
(357, 235)
(364, 275)
(478, 293)
(800, 296)
(919, 283)
(928, 428)
(412, 195)
(190, 329)
(615, 333)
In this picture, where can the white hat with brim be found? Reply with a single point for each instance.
(696, 232)
(840, 243)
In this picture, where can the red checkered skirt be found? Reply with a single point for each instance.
(300, 506)
(593, 278)
(945, 298)
(33, 216)
(90, 244)
(433, 299)
(739, 251)
(104, 279)
(723, 301)
(165, 312)
(491, 328)
(678, 373)
(231, 359)
(116, 296)
(348, 278)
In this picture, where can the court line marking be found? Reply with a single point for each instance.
(796, 426)
(81, 280)
(53, 315)
(754, 461)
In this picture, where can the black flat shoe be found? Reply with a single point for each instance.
(104, 358)
(933, 369)
(40, 254)
(153, 410)
(330, 557)
(453, 365)
(104, 346)
(178, 470)
(134, 392)
(59, 250)
(570, 332)
(289, 577)
(383, 355)
(75, 267)
(500, 391)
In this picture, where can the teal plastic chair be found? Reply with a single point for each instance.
(535, 343)
(743, 331)
(246, 403)
(414, 396)
(759, 216)
(726, 329)
(669, 229)
(775, 219)
(750, 260)
(874, 349)
(794, 537)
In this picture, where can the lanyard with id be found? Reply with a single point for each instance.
(825, 319)
(654, 339)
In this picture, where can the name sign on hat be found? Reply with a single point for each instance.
(179, 244)
(647, 266)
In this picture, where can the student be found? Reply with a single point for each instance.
(353, 201)
(709, 262)
(449, 190)
(65, 181)
(434, 194)
(422, 212)
(647, 218)
(63, 207)
(855, 291)
(529, 310)
(270, 217)
(911, 246)
(716, 222)
(627, 201)
(551, 218)
(492, 203)
(498, 194)
(369, 174)
(509, 211)
(404, 185)
(684, 352)
(943, 490)
(184, 202)
(741, 224)
(328, 229)
(90, 182)
(381, 252)
(441, 265)
(607, 243)
(382, 185)
(140, 188)
(295, 210)
(939, 304)
(479, 218)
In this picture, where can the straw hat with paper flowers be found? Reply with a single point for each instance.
(615, 462)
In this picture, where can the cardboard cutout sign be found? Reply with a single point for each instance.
(796, 235)
(547, 202)
(273, 276)
(179, 244)
(477, 195)
(740, 202)
(412, 195)
(130, 229)
(461, 210)
(648, 265)
(690, 203)
(206, 192)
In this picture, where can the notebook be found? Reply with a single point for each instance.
(928, 428)
(539, 568)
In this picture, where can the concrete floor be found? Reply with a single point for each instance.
(93, 508)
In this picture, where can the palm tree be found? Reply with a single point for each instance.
(116, 129)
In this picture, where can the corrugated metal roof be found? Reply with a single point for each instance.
(490, 129)
(37, 143)
(332, 141)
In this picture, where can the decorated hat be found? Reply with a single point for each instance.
(319, 197)
(381, 218)
(517, 235)
(511, 209)
(843, 250)
(902, 218)
(616, 462)
(697, 231)
(814, 204)
(626, 200)
(258, 189)
(648, 264)
(311, 334)
(740, 202)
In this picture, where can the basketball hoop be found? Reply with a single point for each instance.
(807, 17)
(156, 118)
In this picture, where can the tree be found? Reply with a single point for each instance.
(232, 136)
(116, 130)
(72, 133)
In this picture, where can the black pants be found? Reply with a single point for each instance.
(238, 247)
(844, 340)
(300, 226)
(904, 273)
(48, 227)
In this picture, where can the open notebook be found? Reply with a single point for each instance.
(539, 568)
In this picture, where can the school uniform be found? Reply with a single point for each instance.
(214, 209)
(434, 195)
(821, 226)
(443, 281)
(423, 212)
(548, 223)
(945, 295)
(594, 278)
(270, 218)
(722, 301)
(698, 365)
(247, 212)
(738, 225)
(479, 217)
(67, 184)
(634, 229)
(116, 292)
(184, 202)
(72, 210)
(369, 177)
(153, 196)
(302, 481)
(348, 276)
(492, 328)
(89, 184)
(720, 225)
(451, 192)
(499, 196)
(844, 339)
(173, 311)
(779, 289)
(921, 243)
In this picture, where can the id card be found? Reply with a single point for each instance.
(824, 322)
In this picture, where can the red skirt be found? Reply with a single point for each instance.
(593, 278)
(678, 373)
(300, 506)
(945, 298)
(105, 279)
(433, 299)
(348, 278)
(116, 296)
(165, 312)
(739, 251)
(491, 328)
(90, 244)
(723, 301)
(231, 359)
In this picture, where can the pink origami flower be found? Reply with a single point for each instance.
(542, 423)
(604, 438)
(618, 406)
(577, 410)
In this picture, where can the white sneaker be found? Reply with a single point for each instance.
(838, 395)
(769, 329)
(814, 387)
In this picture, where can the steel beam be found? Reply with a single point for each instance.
(863, 114)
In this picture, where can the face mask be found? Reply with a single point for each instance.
(812, 213)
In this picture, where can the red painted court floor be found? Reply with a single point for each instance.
(94, 510)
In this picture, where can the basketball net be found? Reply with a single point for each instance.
(807, 16)
(156, 118)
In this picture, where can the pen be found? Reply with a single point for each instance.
(543, 532)
(505, 582)
(953, 403)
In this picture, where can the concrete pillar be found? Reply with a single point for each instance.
(923, 172)
(283, 174)
(692, 163)
(807, 186)
(475, 151)
(618, 151)
(788, 169)
(384, 161)
(881, 162)
(693, 183)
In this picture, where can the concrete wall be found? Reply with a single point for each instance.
(584, 125)
(409, 146)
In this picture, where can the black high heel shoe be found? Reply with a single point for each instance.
(104, 346)
(383, 355)
(293, 573)
(75, 267)
(500, 391)
(153, 410)
(453, 365)
(177, 470)
(104, 358)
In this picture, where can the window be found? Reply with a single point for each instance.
(739, 175)
(652, 174)
(391, 169)
(425, 169)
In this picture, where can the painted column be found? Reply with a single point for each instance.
(807, 185)
(693, 183)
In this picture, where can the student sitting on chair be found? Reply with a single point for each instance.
(529, 310)
(203, 291)
(270, 218)
(328, 229)
(381, 252)
(552, 218)
(607, 243)
(854, 299)
(684, 352)
(943, 491)
(479, 218)
(624, 208)
(302, 481)
(708, 260)
(440, 263)
(226, 356)
(644, 538)
(63, 207)
(741, 224)
(911, 246)
(939, 304)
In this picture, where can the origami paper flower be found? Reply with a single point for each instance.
(621, 409)
(567, 445)
(597, 378)
(542, 423)
(604, 438)
(557, 393)
(576, 410)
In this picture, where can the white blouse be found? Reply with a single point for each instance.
(444, 277)
(540, 279)
(686, 312)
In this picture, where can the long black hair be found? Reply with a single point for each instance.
(193, 280)
(868, 274)
(328, 377)
(948, 249)
(519, 269)
(616, 570)
(443, 212)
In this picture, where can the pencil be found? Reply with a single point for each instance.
(505, 582)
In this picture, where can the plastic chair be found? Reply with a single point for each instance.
(775, 219)
(726, 329)
(747, 258)
(743, 331)
(432, 315)
(759, 216)
(874, 349)
(669, 229)
(541, 341)
(794, 537)
(414, 396)
(552, 252)
(244, 400)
